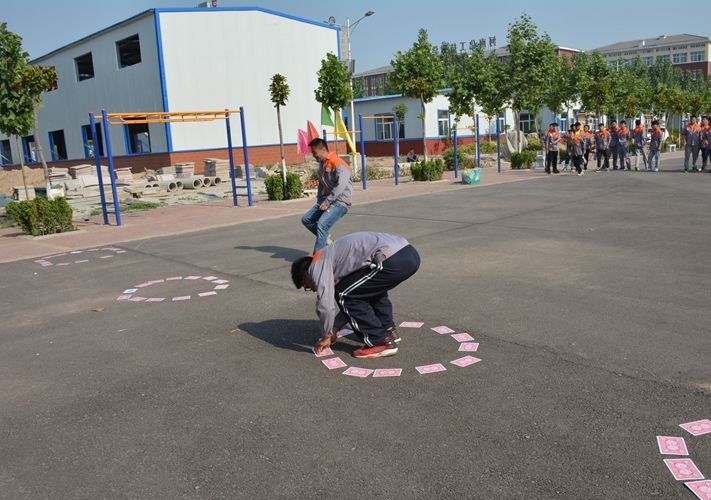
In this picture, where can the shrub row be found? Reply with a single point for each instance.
(42, 216)
(274, 185)
(430, 170)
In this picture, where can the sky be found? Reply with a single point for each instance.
(46, 25)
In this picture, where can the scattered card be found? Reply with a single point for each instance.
(210, 278)
(137, 299)
(155, 299)
(669, 445)
(105, 256)
(410, 324)
(76, 251)
(174, 278)
(183, 297)
(81, 261)
(324, 352)
(123, 297)
(698, 427)
(357, 372)
(221, 287)
(701, 489)
(207, 294)
(344, 332)
(468, 346)
(130, 290)
(465, 361)
(442, 330)
(155, 282)
(387, 372)
(334, 363)
(683, 469)
(437, 367)
(192, 277)
(120, 251)
(64, 263)
(220, 282)
(462, 337)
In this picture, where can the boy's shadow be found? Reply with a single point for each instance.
(288, 254)
(293, 334)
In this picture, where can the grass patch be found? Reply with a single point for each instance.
(130, 207)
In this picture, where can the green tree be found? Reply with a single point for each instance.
(596, 93)
(418, 73)
(492, 96)
(279, 94)
(16, 106)
(400, 111)
(334, 86)
(565, 86)
(466, 84)
(530, 62)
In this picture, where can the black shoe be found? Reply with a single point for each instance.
(393, 335)
(556, 171)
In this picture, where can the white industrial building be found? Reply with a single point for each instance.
(184, 59)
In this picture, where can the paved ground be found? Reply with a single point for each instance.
(589, 297)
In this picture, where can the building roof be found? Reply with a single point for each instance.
(375, 71)
(659, 41)
(186, 9)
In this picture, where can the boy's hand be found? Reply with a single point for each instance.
(324, 206)
(326, 341)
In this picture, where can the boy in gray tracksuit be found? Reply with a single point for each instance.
(623, 137)
(639, 136)
(692, 143)
(351, 279)
(655, 146)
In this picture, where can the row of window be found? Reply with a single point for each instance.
(136, 136)
(384, 125)
(128, 53)
(675, 59)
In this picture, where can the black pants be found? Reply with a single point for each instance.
(603, 156)
(615, 153)
(705, 157)
(552, 161)
(363, 295)
(586, 156)
(578, 163)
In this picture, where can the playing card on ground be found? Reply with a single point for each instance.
(387, 372)
(344, 332)
(469, 346)
(683, 469)
(410, 324)
(465, 361)
(462, 337)
(698, 427)
(324, 352)
(669, 445)
(357, 372)
(442, 330)
(334, 363)
(701, 489)
(437, 367)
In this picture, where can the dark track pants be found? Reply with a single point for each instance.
(363, 295)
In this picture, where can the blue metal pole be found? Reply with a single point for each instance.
(397, 149)
(478, 143)
(456, 155)
(97, 157)
(498, 143)
(110, 156)
(245, 152)
(325, 136)
(362, 154)
(230, 155)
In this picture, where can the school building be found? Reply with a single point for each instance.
(186, 59)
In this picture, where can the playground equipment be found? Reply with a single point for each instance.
(396, 143)
(165, 117)
(478, 147)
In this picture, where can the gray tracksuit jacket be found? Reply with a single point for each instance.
(335, 181)
(345, 256)
(655, 141)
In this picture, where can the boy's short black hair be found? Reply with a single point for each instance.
(623, 121)
(655, 122)
(318, 143)
(638, 122)
(299, 268)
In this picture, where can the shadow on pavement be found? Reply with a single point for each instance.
(288, 254)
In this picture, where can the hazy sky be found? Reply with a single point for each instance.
(48, 24)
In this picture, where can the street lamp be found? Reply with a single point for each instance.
(350, 28)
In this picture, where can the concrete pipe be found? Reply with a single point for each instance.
(179, 183)
(206, 182)
(192, 183)
(170, 186)
(214, 180)
(155, 185)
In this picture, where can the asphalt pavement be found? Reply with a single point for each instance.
(588, 296)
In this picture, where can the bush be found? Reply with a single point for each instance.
(274, 185)
(430, 170)
(464, 153)
(42, 216)
(522, 160)
(534, 143)
(489, 147)
(373, 173)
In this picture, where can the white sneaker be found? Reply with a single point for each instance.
(656, 170)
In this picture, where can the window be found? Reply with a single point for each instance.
(665, 58)
(648, 60)
(89, 143)
(128, 51)
(697, 56)
(384, 128)
(57, 145)
(29, 149)
(138, 138)
(527, 122)
(85, 67)
(443, 123)
(5, 153)
(679, 58)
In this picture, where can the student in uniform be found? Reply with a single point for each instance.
(352, 278)
(551, 140)
(614, 143)
(576, 148)
(691, 133)
(602, 147)
(705, 141)
(623, 137)
(589, 141)
(639, 136)
(655, 146)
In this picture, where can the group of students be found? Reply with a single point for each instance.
(697, 138)
(605, 143)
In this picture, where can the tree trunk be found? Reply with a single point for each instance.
(40, 151)
(517, 126)
(22, 166)
(424, 129)
(281, 149)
